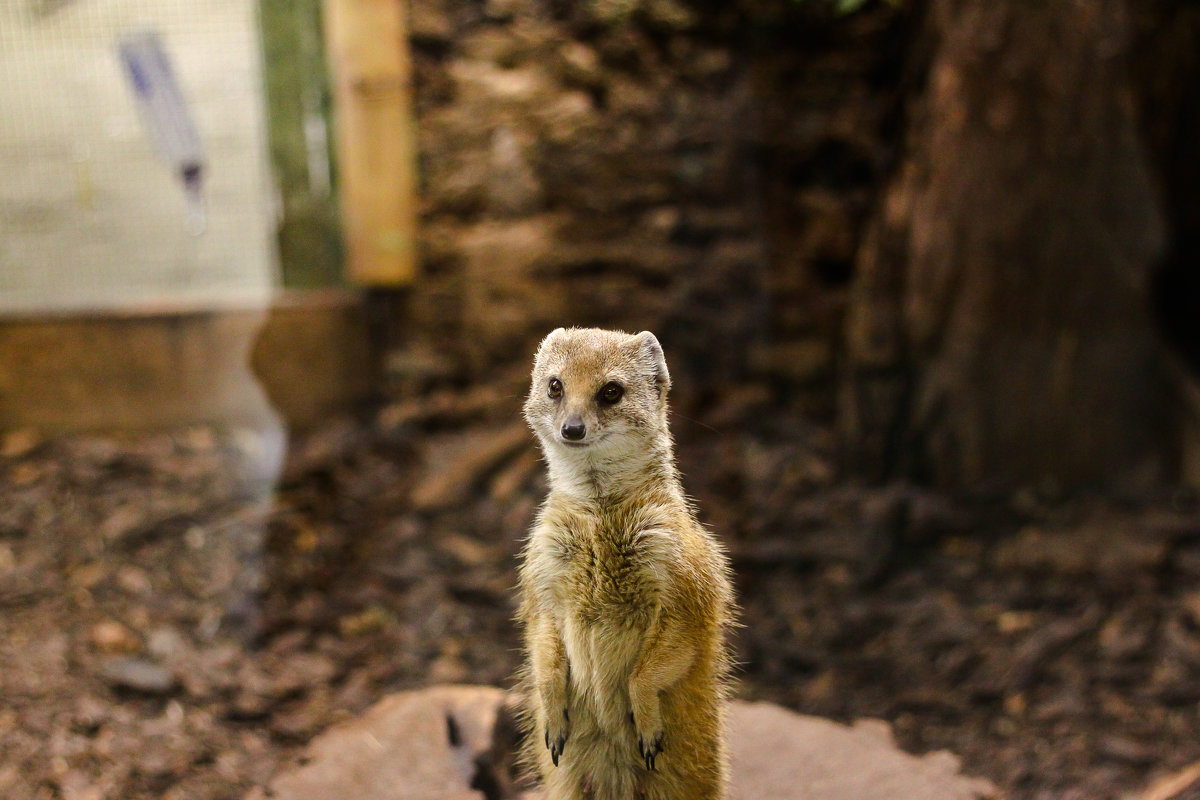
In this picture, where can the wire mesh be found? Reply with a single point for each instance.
(90, 216)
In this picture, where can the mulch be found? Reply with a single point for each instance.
(176, 621)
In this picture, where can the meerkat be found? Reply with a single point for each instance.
(625, 597)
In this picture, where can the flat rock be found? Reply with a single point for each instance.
(139, 675)
(433, 744)
(409, 746)
(781, 754)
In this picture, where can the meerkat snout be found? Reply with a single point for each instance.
(573, 429)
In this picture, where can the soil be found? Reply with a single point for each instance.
(175, 624)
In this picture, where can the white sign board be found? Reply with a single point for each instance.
(93, 216)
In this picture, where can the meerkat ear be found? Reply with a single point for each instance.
(654, 354)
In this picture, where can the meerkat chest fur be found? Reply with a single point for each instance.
(605, 565)
(606, 573)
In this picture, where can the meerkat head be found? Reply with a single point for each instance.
(598, 393)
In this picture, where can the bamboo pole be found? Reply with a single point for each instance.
(370, 69)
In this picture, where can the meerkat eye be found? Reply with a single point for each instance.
(610, 393)
(555, 388)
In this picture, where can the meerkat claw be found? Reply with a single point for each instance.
(556, 746)
(649, 751)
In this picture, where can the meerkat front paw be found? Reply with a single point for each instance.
(648, 724)
(649, 746)
(557, 728)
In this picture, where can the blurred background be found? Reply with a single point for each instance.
(271, 278)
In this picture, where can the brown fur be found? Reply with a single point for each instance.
(625, 598)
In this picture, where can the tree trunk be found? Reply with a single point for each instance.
(998, 332)
(1167, 71)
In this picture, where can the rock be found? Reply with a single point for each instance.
(438, 742)
(781, 754)
(134, 580)
(110, 636)
(164, 642)
(139, 675)
(410, 746)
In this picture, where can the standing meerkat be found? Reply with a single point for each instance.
(625, 598)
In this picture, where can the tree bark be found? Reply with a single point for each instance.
(998, 332)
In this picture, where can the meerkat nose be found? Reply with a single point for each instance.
(573, 430)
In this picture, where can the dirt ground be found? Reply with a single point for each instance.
(171, 627)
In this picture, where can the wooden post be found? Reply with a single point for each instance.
(376, 138)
